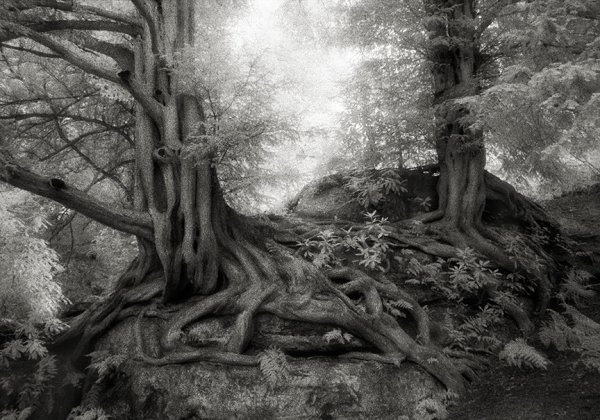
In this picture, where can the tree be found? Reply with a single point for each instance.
(191, 242)
(536, 69)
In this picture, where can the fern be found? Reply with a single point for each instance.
(83, 413)
(274, 366)
(431, 409)
(575, 332)
(396, 308)
(30, 393)
(575, 288)
(337, 335)
(105, 364)
(519, 353)
(16, 414)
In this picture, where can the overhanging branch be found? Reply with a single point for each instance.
(137, 90)
(135, 223)
(74, 7)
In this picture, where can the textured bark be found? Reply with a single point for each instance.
(453, 52)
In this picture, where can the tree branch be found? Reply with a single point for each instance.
(137, 90)
(144, 10)
(74, 7)
(122, 55)
(136, 223)
(65, 25)
(72, 57)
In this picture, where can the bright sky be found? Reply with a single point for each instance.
(317, 72)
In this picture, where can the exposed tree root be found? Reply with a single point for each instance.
(244, 277)
(276, 282)
(102, 315)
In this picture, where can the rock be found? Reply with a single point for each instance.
(315, 387)
(328, 197)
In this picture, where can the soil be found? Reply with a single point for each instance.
(566, 390)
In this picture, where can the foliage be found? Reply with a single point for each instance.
(370, 188)
(113, 250)
(28, 343)
(274, 366)
(518, 353)
(336, 335)
(27, 263)
(476, 332)
(576, 332)
(387, 120)
(81, 413)
(370, 243)
(320, 249)
(575, 287)
(105, 364)
(454, 278)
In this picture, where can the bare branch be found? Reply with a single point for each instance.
(136, 223)
(74, 7)
(30, 51)
(122, 55)
(18, 30)
(65, 25)
(144, 9)
(137, 90)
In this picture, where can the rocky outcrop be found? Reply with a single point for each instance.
(320, 387)
(329, 197)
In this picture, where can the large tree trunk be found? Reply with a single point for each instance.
(181, 192)
(455, 59)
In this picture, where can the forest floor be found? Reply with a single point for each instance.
(566, 390)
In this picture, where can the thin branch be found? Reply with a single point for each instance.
(30, 51)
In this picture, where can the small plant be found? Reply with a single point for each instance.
(371, 243)
(576, 288)
(321, 249)
(274, 366)
(105, 364)
(576, 332)
(370, 188)
(336, 335)
(476, 332)
(84, 413)
(397, 307)
(518, 353)
(423, 203)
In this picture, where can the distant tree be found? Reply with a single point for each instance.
(515, 41)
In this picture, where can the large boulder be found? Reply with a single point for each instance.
(330, 197)
(322, 386)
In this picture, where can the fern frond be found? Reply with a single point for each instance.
(273, 365)
(519, 353)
